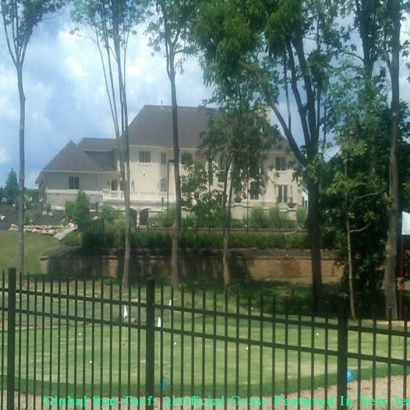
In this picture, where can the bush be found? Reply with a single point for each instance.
(189, 239)
(69, 209)
(91, 241)
(259, 219)
(280, 220)
(72, 239)
(301, 217)
(110, 214)
(79, 210)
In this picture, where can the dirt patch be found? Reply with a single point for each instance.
(380, 394)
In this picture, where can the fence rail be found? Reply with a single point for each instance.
(77, 343)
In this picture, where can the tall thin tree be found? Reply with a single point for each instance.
(113, 21)
(171, 30)
(19, 19)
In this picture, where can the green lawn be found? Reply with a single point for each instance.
(35, 246)
(55, 353)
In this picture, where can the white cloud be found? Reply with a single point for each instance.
(4, 156)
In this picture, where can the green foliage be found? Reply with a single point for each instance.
(69, 209)
(109, 214)
(354, 187)
(163, 219)
(79, 210)
(160, 242)
(73, 239)
(199, 196)
(259, 219)
(301, 217)
(274, 218)
(11, 189)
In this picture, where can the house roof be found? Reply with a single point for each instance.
(73, 159)
(153, 126)
(97, 144)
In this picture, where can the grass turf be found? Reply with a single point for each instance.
(214, 358)
(35, 246)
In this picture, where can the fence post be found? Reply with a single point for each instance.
(150, 344)
(11, 338)
(342, 334)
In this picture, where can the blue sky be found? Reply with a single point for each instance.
(66, 98)
(65, 93)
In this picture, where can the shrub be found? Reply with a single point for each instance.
(189, 239)
(301, 217)
(81, 212)
(110, 214)
(259, 219)
(280, 220)
(92, 241)
(72, 239)
(69, 209)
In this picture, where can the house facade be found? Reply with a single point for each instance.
(92, 165)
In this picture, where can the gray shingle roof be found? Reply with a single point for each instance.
(72, 159)
(97, 144)
(153, 126)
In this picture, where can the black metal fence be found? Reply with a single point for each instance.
(89, 344)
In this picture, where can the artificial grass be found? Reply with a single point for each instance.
(35, 245)
(204, 354)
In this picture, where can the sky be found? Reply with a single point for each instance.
(66, 98)
(65, 93)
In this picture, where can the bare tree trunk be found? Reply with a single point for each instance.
(125, 170)
(127, 250)
(227, 202)
(313, 226)
(177, 225)
(389, 282)
(20, 202)
(350, 267)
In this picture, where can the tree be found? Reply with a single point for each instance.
(19, 19)
(286, 47)
(11, 189)
(389, 283)
(171, 30)
(79, 210)
(357, 178)
(379, 26)
(238, 140)
(199, 195)
(113, 21)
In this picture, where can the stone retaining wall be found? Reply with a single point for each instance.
(252, 263)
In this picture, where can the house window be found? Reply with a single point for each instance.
(282, 197)
(145, 156)
(163, 158)
(280, 164)
(163, 185)
(186, 158)
(222, 169)
(254, 190)
(73, 182)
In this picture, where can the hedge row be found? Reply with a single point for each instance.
(189, 240)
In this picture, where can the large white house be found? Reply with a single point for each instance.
(93, 166)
